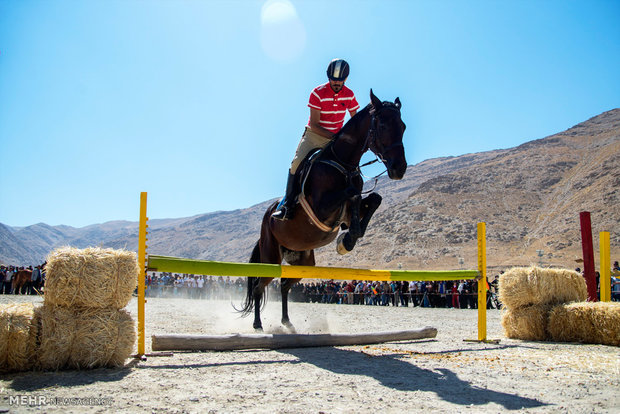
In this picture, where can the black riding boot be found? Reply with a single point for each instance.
(286, 207)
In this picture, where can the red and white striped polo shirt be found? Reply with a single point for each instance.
(333, 106)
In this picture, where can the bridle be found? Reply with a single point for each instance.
(372, 142)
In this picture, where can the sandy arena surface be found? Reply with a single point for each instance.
(444, 374)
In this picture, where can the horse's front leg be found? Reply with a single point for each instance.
(346, 241)
(369, 205)
(366, 208)
(304, 258)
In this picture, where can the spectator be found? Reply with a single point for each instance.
(615, 289)
(359, 289)
(4, 274)
(404, 297)
(442, 294)
(385, 293)
(395, 292)
(456, 296)
(350, 289)
(413, 293)
(35, 280)
(426, 287)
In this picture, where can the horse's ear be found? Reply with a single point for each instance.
(397, 103)
(376, 103)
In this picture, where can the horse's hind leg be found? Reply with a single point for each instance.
(305, 258)
(268, 252)
(258, 292)
(285, 287)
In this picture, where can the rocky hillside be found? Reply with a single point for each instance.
(529, 196)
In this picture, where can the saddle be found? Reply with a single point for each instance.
(302, 175)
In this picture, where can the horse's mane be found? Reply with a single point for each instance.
(353, 121)
(355, 118)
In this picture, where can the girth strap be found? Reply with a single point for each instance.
(315, 220)
(302, 197)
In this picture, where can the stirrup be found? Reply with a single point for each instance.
(280, 214)
(284, 211)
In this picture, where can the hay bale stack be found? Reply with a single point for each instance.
(528, 295)
(528, 323)
(525, 286)
(83, 325)
(84, 338)
(18, 337)
(90, 278)
(588, 322)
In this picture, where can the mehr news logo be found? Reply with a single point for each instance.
(41, 400)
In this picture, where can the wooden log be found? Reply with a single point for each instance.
(274, 341)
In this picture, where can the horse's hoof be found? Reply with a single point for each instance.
(340, 244)
(289, 326)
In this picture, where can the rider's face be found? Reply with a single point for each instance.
(336, 85)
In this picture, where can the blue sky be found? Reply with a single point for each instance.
(202, 103)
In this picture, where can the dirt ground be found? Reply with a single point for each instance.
(444, 374)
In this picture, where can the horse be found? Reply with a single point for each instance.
(21, 279)
(330, 198)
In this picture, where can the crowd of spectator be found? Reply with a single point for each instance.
(448, 294)
(461, 294)
(22, 280)
(458, 294)
(193, 287)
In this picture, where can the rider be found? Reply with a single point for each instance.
(328, 106)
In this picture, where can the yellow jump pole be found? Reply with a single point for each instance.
(141, 276)
(482, 288)
(482, 285)
(605, 280)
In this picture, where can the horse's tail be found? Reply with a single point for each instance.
(255, 258)
(248, 304)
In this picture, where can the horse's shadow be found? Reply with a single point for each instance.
(392, 372)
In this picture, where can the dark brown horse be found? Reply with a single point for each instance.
(331, 199)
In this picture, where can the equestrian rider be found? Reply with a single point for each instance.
(328, 104)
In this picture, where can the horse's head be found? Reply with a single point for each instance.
(386, 136)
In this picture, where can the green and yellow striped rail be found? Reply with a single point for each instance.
(215, 268)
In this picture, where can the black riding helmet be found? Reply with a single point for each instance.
(338, 70)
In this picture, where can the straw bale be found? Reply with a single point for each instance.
(525, 286)
(528, 323)
(91, 277)
(588, 322)
(85, 338)
(18, 335)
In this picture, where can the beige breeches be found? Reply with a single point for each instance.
(309, 141)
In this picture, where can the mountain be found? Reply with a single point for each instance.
(530, 197)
